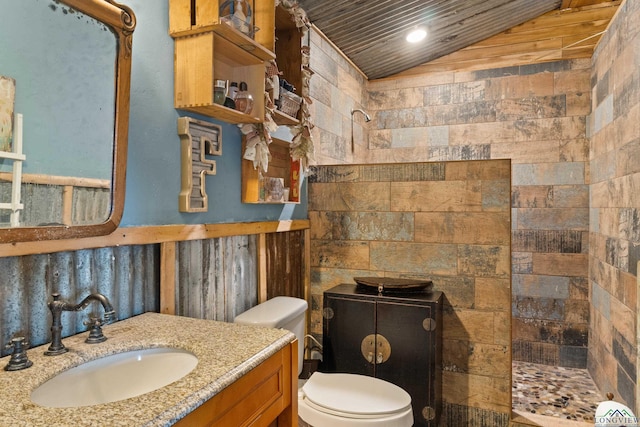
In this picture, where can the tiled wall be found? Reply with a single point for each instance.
(336, 88)
(534, 115)
(445, 221)
(615, 205)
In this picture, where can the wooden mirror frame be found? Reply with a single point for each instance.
(121, 21)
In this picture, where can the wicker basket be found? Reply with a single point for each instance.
(289, 102)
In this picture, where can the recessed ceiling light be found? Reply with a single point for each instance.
(416, 35)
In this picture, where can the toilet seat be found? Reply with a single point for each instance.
(353, 400)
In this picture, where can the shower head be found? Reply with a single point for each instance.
(367, 118)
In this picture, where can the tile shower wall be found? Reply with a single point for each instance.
(336, 88)
(615, 205)
(445, 221)
(534, 115)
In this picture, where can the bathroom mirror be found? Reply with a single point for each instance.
(67, 66)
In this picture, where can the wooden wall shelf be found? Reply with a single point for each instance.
(280, 167)
(204, 57)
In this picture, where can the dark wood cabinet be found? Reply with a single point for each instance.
(394, 337)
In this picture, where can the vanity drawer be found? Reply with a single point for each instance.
(257, 399)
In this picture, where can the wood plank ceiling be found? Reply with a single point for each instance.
(462, 34)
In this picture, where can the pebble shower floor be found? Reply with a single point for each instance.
(567, 393)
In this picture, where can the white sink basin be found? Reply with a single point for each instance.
(116, 377)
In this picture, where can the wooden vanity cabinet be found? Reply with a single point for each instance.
(266, 396)
(393, 337)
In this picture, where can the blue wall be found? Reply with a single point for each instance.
(153, 170)
(153, 167)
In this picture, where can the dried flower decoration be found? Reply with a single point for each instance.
(258, 136)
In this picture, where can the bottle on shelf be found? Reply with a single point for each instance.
(220, 91)
(244, 100)
(230, 100)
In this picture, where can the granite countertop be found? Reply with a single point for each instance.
(225, 351)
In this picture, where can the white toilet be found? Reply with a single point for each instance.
(333, 400)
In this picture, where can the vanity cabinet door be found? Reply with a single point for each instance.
(347, 323)
(410, 331)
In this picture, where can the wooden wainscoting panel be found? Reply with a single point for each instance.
(286, 264)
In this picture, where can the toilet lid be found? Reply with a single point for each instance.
(355, 395)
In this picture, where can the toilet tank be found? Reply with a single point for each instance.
(279, 312)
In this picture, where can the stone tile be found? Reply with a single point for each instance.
(409, 137)
(579, 288)
(441, 115)
(369, 196)
(495, 196)
(539, 308)
(576, 311)
(468, 152)
(578, 104)
(520, 86)
(353, 255)
(575, 335)
(379, 139)
(626, 95)
(545, 151)
(477, 112)
(404, 98)
(476, 358)
(549, 128)
(442, 227)
(603, 114)
(560, 264)
(535, 352)
(558, 241)
(484, 261)
(572, 81)
(532, 196)
(492, 294)
(362, 226)
(566, 173)
(502, 328)
(492, 171)
(522, 262)
(413, 257)
(573, 357)
(531, 108)
(481, 133)
(468, 325)
(628, 158)
(458, 291)
(623, 320)
(571, 196)
(553, 219)
(540, 286)
(460, 196)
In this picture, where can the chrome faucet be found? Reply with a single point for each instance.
(57, 307)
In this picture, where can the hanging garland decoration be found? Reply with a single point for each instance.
(258, 136)
(302, 144)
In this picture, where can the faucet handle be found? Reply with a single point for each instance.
(19, 359)
(110, 317)
(95, 331)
